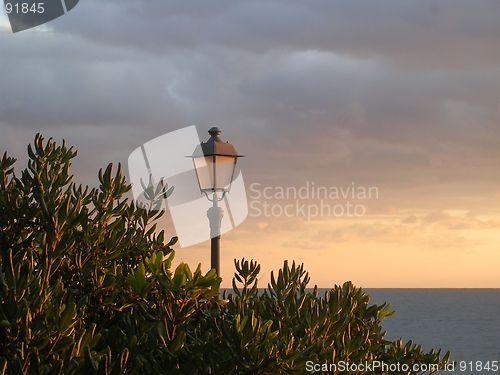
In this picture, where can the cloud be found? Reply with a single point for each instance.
(412, 219)
(400, 95)
(403, 96)
(418, 33)
(434, 217)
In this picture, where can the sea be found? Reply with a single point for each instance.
(464, 321)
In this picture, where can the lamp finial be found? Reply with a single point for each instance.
(215, 131)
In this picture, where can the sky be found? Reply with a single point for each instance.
(403, 96)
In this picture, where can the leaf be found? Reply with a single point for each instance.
(178, 342)
(173, 241)
(68, 315)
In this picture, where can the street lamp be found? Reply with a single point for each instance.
(215, 164)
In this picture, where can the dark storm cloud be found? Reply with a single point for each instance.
(56, 80)
(429, 33)
(387, 92)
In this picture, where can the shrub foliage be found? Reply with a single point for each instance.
(86, 286)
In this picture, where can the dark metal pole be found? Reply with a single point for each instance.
(215, 214)
(215, 254)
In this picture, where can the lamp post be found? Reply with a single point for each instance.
(215, 163)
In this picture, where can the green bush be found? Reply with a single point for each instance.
(86, 286)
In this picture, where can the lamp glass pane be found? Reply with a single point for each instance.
(205, 171)
(224, 170)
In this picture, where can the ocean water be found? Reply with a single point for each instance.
(464, 321)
